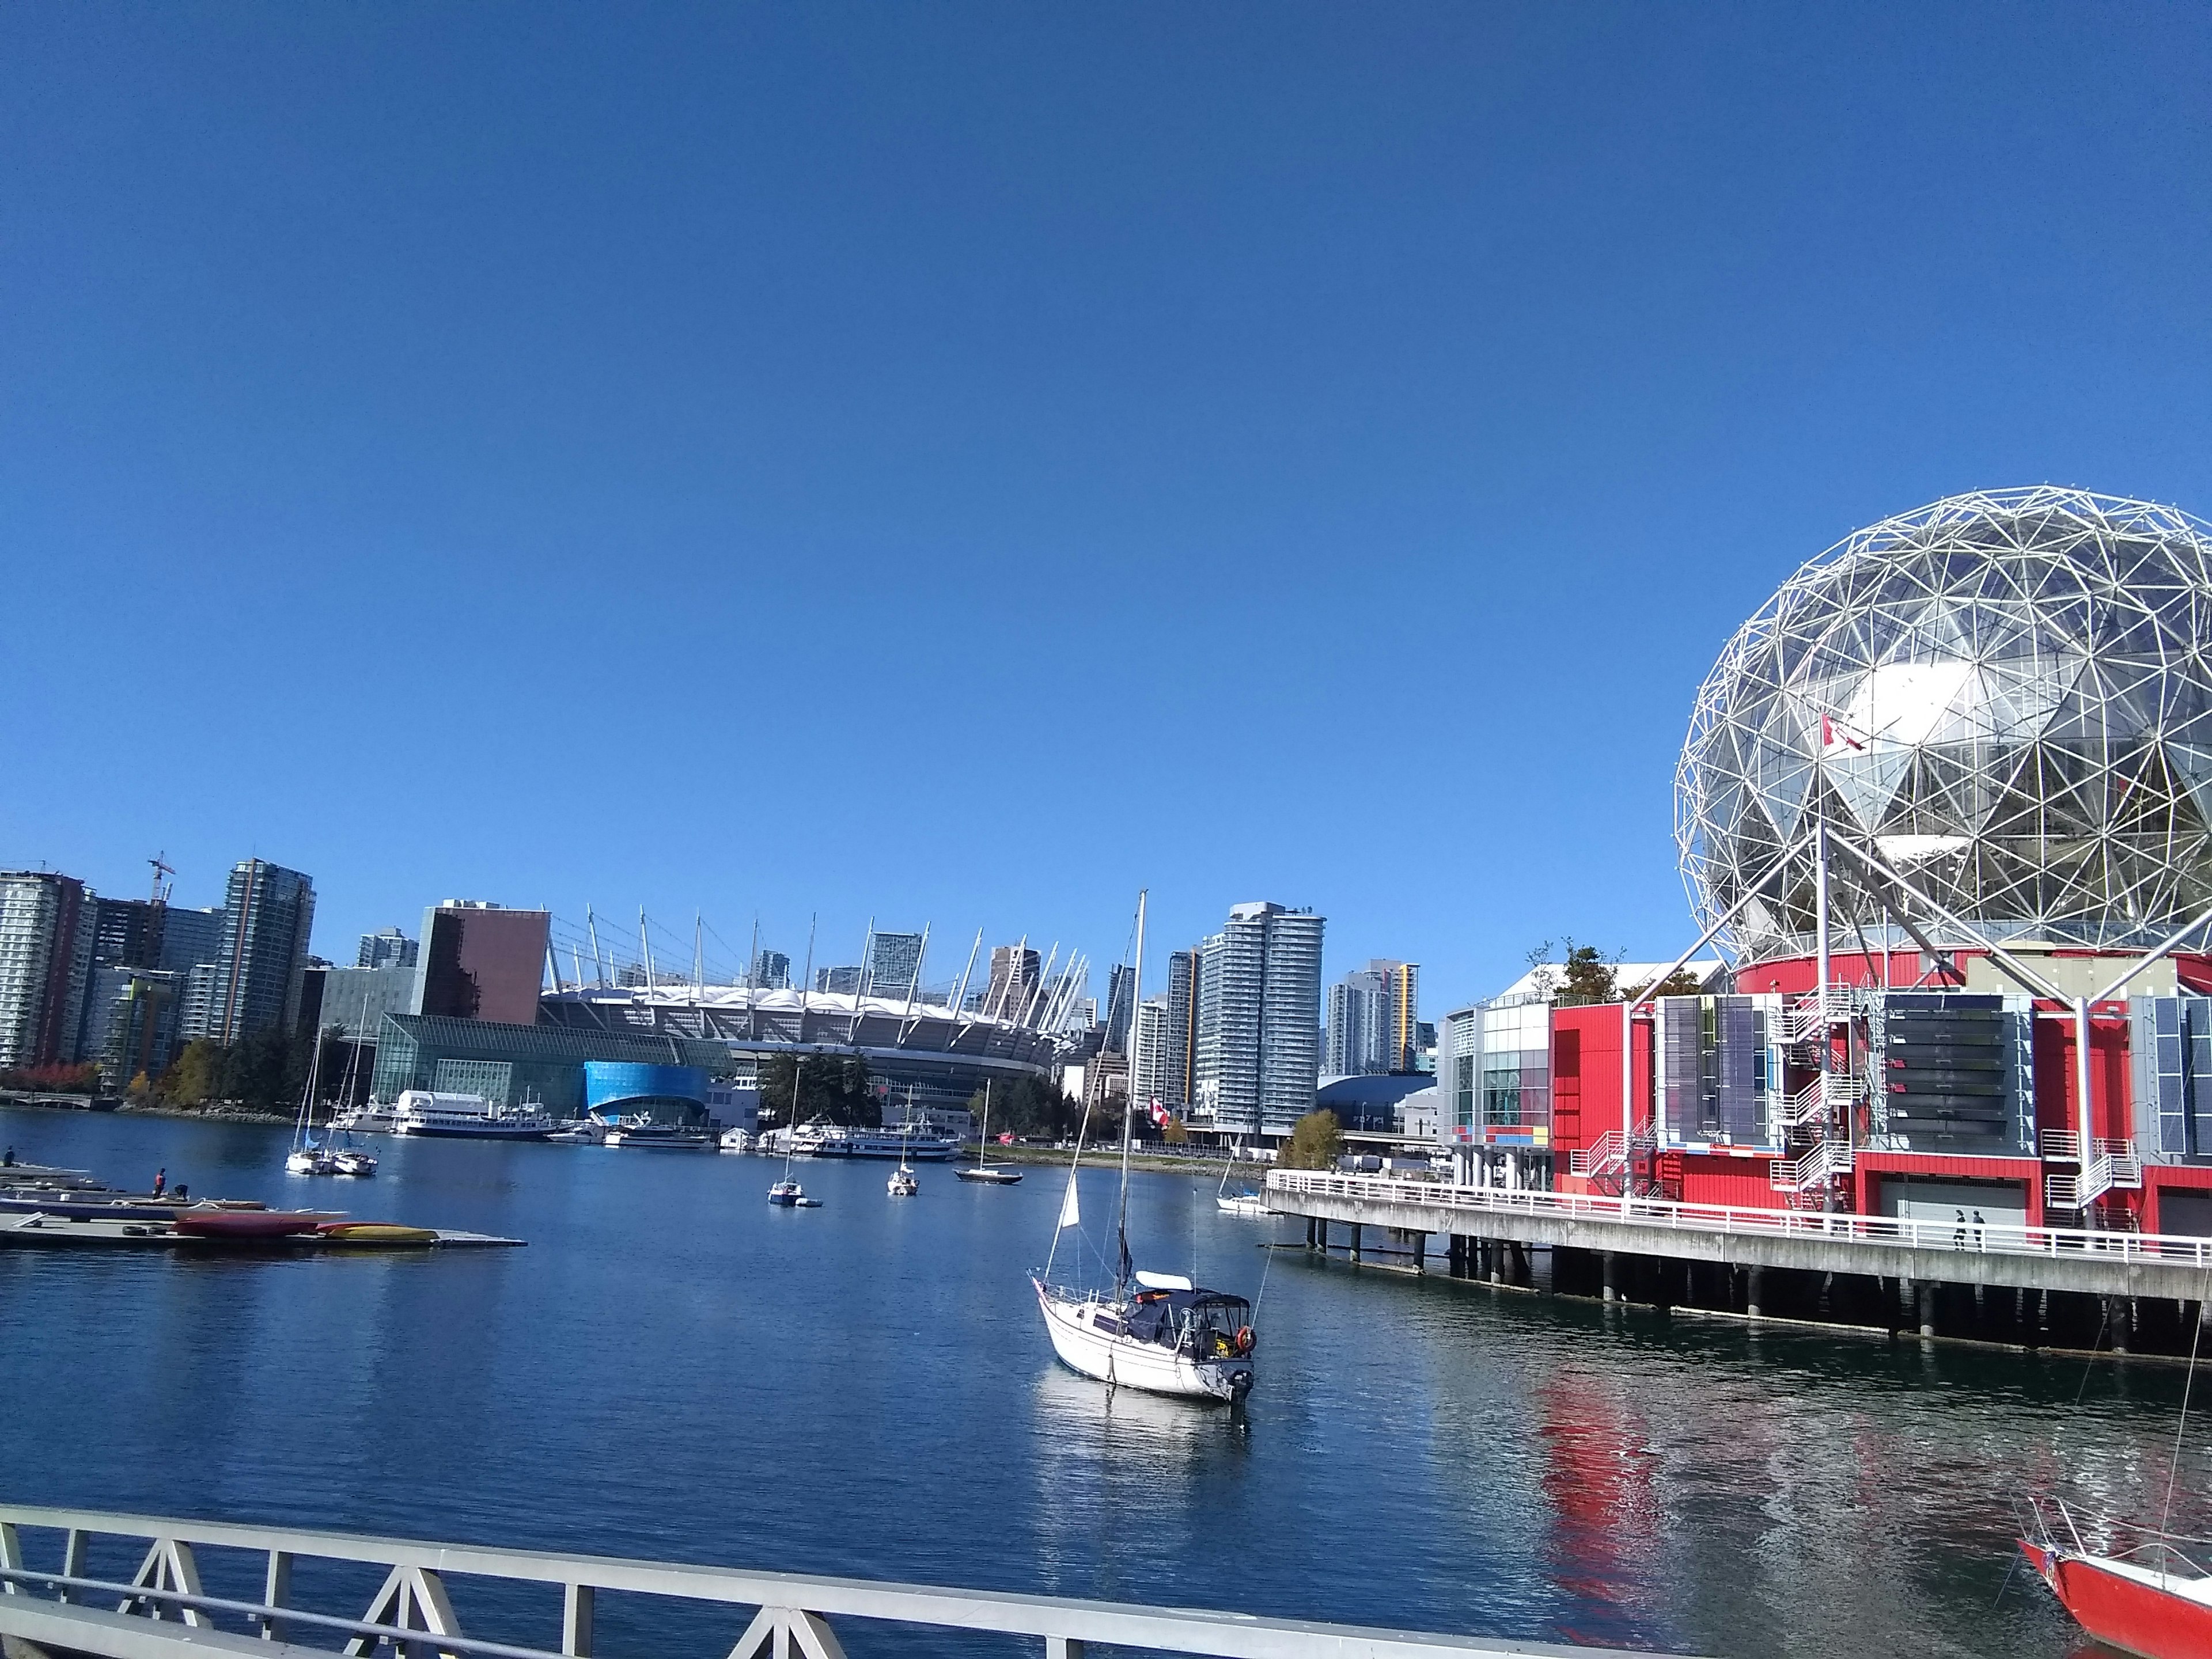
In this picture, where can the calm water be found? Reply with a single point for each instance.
(673, 1370)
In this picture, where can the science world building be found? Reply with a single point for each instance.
(1945, 806)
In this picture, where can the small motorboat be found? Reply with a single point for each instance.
(2146, 1596)
(902, 1183)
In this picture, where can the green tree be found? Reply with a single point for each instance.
(1680, 983)
(1028, 1106)
(837, 1090)
(1586, 977)
(1316, 1142)
(194, 1075)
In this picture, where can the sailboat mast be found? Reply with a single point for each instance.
(1129, 1096)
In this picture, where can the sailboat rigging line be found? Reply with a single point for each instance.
(1267, 1261)
(2173, 1468)
(1082, 1127)
(1129, 1107)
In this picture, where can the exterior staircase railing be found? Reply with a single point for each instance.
(1820, 1165)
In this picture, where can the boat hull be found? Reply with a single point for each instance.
(1133, 1364)
(453, 1132)
(2127, 1607)
(990, 1177)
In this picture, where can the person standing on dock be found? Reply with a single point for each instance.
(160, 1180)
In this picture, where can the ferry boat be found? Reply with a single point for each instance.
(2150, 1597)
(835, 1141)
(467, 1117)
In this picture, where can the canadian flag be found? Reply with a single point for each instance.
(1158, 1113)
(1832, 733)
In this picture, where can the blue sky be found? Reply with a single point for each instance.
(964, 463)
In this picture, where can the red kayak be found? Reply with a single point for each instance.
(245, 1224)
(2152, 1600)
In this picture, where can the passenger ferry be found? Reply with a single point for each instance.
(467, 1117)
(835, 1141)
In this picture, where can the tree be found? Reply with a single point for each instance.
(1680, 983)
(1027, 1106)
(1316, 1142)
(825, 1086)
(194, 1075)
(1586, 977)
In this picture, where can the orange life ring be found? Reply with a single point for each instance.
(1244, 1339)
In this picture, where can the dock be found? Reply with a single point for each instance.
(2017, 1284)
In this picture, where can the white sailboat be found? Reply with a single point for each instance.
(1245, 1202)
(346, 1158)
(1158, 1332)
(988, 1174)
(903, 1182)
(306, 1156)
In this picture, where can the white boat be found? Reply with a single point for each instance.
(835, 1140)
(372, 1118)
(309, 1157)
(790, 1195)
(1241, 1203)
(584, 1132)
(643, 1135)
(902, 1183)
(352, 1161)
(1158, 1332)
(979, 1170)
(467, 1117)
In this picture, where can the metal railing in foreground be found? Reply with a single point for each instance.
(1995, 1239)
(164, 1612)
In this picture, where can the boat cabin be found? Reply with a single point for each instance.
(1204, 1324)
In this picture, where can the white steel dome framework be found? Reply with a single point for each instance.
(2004, 698)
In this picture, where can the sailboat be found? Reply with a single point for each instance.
(1246, 1202)
(979, 1170)
(902, 1183)
(1158, 1332)
(308, 1157)
(346, 1158)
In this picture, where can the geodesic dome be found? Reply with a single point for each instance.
(2006, 695)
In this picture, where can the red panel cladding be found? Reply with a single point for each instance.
(1793, 975)
(1585, 1075)
(1743, 1183)
(2195, 973)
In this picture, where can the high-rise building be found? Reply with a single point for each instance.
(1120, 985)
(1259, 1020)
(353, 1002)
(45, 959)
(894, 960)
(771, 971)
(844, 981)
(1180, 1040)
(389, 949)
(1148, 1060)
(127, 933)
(130, 1020)
(480, 961)
(1355, 1025)
(1374, 1019)
(190, 938)
(1015, 971)
(262, 961)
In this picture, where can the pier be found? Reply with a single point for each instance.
(1859, 1269)
(165, 1610)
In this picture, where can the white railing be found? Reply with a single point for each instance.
(1603, 1156)
(1817, 1167)
(2058, 1143)
(1821, 1097)
(1871, 1229)
(164, 1612)
(1813, 1013)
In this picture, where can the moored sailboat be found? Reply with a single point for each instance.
(1158, 1332)
(988, 1174)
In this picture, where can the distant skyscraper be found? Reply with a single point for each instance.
(127, 933)
(190, 938)
(1355, 1025)
(1013, 986)
(46, 926)
(479, 961)
(130, 1020)
(1374, 1019)
(1148, 1060)
(262, 961)
(1180, 1040)
(843, 981)
(1259, 1020)
(894, 959)
(772, 971)
(1121, 984)
(389, 949)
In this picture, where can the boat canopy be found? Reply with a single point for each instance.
(1162, 1315)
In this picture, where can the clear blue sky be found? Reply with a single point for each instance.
(965, 462)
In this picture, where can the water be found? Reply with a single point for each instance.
(673, 1370)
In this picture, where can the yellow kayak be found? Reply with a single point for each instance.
(387, 1233)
